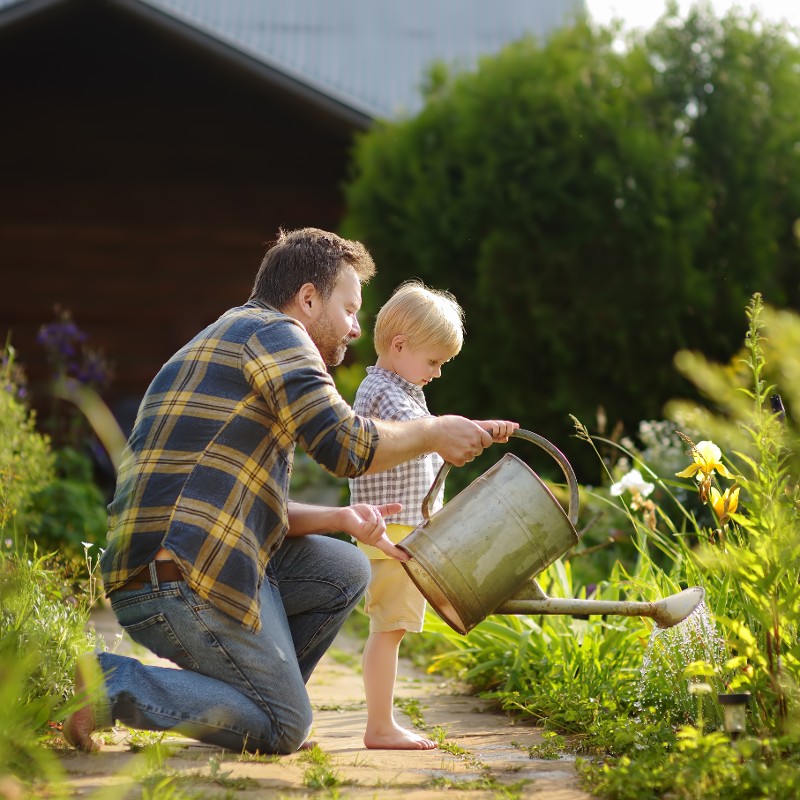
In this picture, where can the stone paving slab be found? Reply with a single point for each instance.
(484, 754)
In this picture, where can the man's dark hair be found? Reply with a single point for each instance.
(307, 255)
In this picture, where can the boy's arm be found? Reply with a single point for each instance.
(456, 439)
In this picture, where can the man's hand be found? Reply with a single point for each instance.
(366, 523)
(459, 440)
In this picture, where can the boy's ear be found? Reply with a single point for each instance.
(398, 342)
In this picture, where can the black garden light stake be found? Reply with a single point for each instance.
(734, 707)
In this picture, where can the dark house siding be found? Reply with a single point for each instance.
(141, 180)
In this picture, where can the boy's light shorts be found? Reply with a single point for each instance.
(392, 601)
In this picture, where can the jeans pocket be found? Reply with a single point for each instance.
(157, 635)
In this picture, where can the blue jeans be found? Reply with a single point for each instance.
(236, 689)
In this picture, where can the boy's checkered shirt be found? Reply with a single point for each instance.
(384, 394)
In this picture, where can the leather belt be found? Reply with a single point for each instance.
(166, 572)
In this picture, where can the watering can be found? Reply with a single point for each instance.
(480, 553)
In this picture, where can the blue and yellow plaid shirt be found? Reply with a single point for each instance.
(206, 470)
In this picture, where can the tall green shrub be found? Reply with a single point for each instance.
(26, 461)
(594, 210)
(730, 89)
(43, 625)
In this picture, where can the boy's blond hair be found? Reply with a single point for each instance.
(427, 317)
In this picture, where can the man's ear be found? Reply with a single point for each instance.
(309, 301)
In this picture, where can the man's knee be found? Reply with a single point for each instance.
(295, 731)
(342, 559)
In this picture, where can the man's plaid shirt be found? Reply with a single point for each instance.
(383, 394)
(206, 470)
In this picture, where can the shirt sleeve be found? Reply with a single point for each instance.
(284, 367)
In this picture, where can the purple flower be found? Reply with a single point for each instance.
(62, 339)
(93, 369)
(65, 344)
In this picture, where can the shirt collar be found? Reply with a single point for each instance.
(399, 380)
(259, 304)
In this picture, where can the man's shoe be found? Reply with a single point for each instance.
(78, 726)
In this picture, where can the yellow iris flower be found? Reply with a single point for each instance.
(724, 504)
(707, 460)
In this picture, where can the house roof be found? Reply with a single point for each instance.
(360, 59)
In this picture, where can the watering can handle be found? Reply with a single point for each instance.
(566, 467)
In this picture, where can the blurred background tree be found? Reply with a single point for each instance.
(595, 208)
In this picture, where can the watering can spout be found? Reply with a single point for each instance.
(677, 607)
(665, 613)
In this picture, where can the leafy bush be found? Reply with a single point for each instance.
(47, 497)
(42, 617)
(26, 461)
(594, 211)
(70, 509)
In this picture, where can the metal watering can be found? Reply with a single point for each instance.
(480, 553)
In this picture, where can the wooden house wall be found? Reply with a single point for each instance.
(141, 182)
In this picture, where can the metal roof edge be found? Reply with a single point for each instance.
(24, 10)
(334, 105)
(274, 74)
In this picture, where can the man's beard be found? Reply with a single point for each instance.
(331, 347)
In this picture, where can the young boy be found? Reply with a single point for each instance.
(416, 332)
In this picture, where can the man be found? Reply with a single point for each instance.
(208, 563)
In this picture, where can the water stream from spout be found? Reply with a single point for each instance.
(669, 651)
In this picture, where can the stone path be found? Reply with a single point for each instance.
(483, 755)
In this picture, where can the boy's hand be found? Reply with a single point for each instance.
(366, 523)
(459, 440)
(499, 429)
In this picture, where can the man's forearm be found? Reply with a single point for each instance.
(305, 519)
(402, 441)
(456, 439)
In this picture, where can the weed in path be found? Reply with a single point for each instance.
(153, 758)
(320, 774)
(314, 755)
(165, 789)
(162, 741)
(339, 707)
(484, 783)
(258, 758)
(550, 750)
(439, 734)
(412, 709)
(361, 760)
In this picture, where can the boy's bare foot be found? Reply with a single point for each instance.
(79, 725)
(396, 738)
